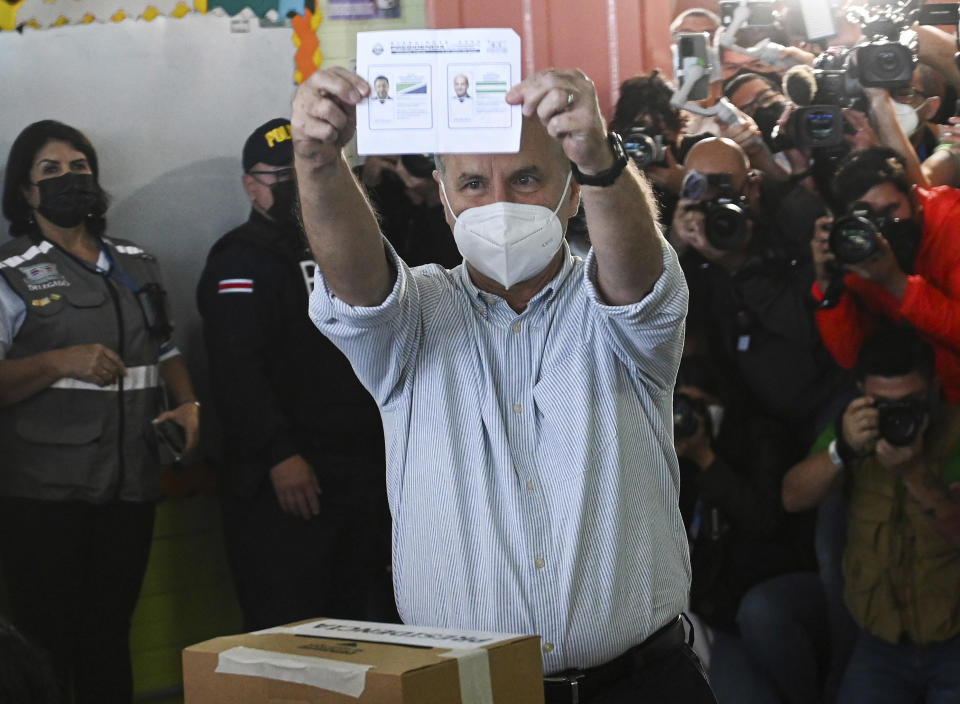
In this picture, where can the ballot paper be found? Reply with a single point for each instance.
(441, 90)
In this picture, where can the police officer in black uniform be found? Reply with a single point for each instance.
(306, 524)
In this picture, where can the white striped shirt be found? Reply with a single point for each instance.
(530, 465)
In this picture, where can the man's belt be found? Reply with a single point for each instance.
(576, 686)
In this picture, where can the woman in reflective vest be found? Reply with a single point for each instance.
(84, 347)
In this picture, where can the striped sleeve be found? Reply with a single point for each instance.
(646, 335)
(380, 341)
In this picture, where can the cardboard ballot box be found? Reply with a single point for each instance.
(333, 661)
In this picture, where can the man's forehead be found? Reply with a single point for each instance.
(718, 162)
(895, 386)
(884, 194)
(458, 165)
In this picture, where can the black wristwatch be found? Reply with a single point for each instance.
(607, 176)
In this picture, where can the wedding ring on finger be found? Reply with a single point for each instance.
(571, 99)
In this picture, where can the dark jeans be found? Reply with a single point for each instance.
(831, 541)
(677, 678)
(286, 569)
(73, 573)
(780, 653)
(884, 673)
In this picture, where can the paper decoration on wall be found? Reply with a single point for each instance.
(288, 8)
(308, 57)
(363, 9)
(42, 14)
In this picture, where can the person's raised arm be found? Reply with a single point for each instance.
(340, 226)
(936, 49)
(621, 218)
(891, 133)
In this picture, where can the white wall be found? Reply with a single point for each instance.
(167, 105)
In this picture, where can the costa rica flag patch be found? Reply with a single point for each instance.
(235, 286)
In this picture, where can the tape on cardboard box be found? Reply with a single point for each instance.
(473, 665)
(334, 675)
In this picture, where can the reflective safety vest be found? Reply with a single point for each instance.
(76, 440)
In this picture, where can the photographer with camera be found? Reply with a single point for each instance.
(897, 452)
(753, 291)
(893, 255)
(753, 580)
(654, 136)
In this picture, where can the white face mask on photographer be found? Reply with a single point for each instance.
(907, 117)
(508, 242)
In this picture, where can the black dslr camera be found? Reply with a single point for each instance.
(645, 146)
(884, 64)
(888, 57)
(901, 420)
(726, 220)
(854, 238)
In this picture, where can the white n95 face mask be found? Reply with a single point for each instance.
(508, 242)
(907, 117)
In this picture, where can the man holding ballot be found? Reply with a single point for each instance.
(526, 395)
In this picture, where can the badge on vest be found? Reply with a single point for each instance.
(45, 301)
(41, 276)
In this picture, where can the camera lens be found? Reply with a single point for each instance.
(640, 150)
(853, 239)
(726, 226)
(900, 422)
(642, 147)
(888, 63)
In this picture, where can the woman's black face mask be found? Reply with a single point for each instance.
(67, 200)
